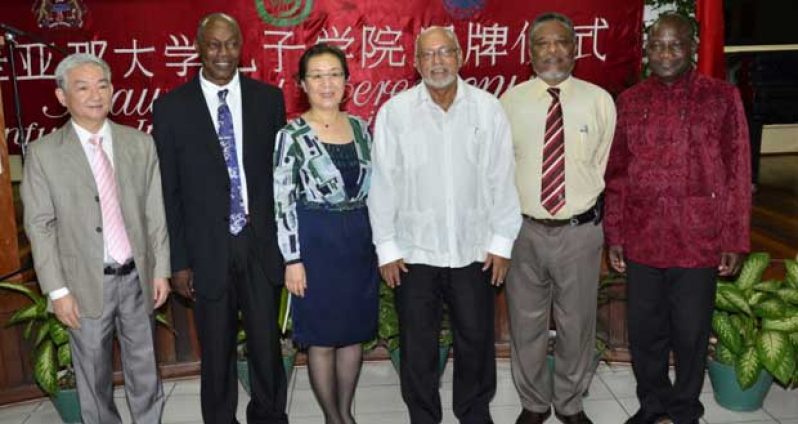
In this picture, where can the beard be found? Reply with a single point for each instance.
(444, 82)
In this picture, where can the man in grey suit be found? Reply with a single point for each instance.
(94, 215)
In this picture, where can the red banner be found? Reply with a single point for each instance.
(149, 45)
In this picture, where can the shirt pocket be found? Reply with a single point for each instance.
(586, 136)
(413, 148)
(472, 144)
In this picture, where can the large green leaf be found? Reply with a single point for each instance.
(42, 334)
(736, 297)
(757, 297)
(724, 304)
(747, 367)
(726, 332)
(772, 307)
(724, 355)
(58, 332)
(64, 356)
(45, 368)
(28, 313)
(28, 330)
(787, 325)
(789, 295)
(777, 355)
(791, 276)
(753, 267)
(770, 286)
(19, 288)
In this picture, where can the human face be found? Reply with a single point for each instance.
(87, 96)
(553, 52)
(324, 82)
(668, 49)
(219, 49)
(438, 60)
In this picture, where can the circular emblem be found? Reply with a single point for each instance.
(462, 9)
(283, 13)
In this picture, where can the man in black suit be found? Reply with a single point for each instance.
(215, 137)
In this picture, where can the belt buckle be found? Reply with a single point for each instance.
(574, 221)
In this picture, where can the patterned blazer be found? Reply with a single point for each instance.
(304, 172)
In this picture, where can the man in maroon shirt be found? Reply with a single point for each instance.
(677, 210)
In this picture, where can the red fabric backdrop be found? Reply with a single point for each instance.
(148, 44)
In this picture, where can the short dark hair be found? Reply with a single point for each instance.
(548, 17)
(681, 21)
(318, 50)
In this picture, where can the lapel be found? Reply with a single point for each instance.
(199, 116)
(76, 164)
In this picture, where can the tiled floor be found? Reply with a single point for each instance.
(378, 401)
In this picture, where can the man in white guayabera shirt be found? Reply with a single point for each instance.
(444, 213)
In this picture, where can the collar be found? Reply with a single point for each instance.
(84, 134)
(539, 87)
(462, 93)
(210, 87)
(682, 82)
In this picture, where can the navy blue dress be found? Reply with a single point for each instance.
(340, 303)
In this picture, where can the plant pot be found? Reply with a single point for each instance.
(243, 369)
(443, 356)
(727, 390)
(67, 404)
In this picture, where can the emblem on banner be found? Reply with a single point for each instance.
(283, 13)
(59, 13)
(461, 9)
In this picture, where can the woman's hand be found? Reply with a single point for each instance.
(295, 279)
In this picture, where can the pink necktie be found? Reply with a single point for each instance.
(552, 189)
(114, 226)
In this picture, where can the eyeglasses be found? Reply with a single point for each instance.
(316, 77)
(443, 52)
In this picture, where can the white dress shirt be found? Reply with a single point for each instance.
(89, 149)
(211, 93)
(443, 191)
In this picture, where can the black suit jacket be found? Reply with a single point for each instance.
(196, 185)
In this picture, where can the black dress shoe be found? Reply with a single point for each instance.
(642, 418)
(531, 417)
(578, 418)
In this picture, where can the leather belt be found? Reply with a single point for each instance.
(594, 215)
(120, 270)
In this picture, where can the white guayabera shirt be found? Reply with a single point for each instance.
(442, 190)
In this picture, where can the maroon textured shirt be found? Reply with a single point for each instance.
(679, 175)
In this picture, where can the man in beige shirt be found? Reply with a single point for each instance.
(562, 129)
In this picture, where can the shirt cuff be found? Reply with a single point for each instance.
(501, 246)
(388, 252)
(58, 293)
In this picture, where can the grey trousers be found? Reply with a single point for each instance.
(124, 311)
(554, 273)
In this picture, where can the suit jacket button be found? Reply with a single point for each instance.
(99, 229)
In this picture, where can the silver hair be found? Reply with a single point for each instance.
(78, 59)
(447, 31)
(548, 17)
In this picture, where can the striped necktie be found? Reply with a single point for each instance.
(552, 188)
(116, 241)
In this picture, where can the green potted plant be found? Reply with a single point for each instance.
(52, 358)
(755, 324)
(286, 345)
(388, 330)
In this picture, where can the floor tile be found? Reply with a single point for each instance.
(606, 411)
(378, 374)
(303, 404)
(44, 414)
(182, 408)
(186, 387)
(621, 382)
(377, 399)
(629, 404)
(598, 390)
(781, 403)
(18, 412)
(716, 414)
(506, 395)
(377, 418)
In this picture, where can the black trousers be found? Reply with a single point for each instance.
(249, 291)
(669, 310)
(470, 300)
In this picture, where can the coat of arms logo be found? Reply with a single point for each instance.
(283, 13)
(59, 13)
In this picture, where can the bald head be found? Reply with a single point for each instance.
(214, 18)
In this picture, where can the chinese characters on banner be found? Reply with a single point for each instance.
(150, 47)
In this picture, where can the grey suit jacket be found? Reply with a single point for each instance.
(63, 219)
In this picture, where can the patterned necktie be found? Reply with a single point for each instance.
(116, 240)
(227, 138)
(552, 188)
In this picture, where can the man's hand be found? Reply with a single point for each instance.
(390, 272)
(616, 258)
(183, 283)
(729, 264)
(66, 310)
(500, 266)
(295, 281)
(160, 291)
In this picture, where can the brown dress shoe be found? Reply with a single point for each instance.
(531, 417)
(578, 418)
